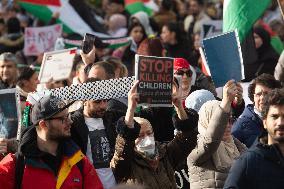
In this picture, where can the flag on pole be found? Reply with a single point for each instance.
(148, 6)
(74, 15)
(242, 14)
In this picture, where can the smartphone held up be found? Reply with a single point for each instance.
(88, 43)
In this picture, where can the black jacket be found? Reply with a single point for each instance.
(261, 167)
(80, 131)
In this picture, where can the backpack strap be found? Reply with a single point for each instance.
(19, 170)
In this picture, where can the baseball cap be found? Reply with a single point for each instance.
(47, 107)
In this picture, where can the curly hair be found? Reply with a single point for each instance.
(273, 98)
(264, 79)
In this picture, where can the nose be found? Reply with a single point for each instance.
(281, 120)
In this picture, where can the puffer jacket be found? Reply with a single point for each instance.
(248, 126)
(131, 167)
(37, 174)
(202, 171)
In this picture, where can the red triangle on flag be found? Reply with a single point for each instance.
(43, 2)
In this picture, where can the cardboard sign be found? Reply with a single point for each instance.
(56, 65)
(211, 28)
(224, 58)
(41, 39)
(155, 75)
(10, 114)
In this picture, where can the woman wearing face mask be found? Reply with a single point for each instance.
(138, 159)
(209, 163)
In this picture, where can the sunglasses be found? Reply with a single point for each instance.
(181, 72)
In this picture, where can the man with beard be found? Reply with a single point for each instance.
(249, 125)
(47, 157)
(262, 166)
(93, 129)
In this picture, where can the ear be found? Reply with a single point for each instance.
(43, 124)
(264, 123)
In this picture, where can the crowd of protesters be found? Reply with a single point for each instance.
(220, 142)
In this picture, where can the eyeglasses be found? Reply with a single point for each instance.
(64, 119)
(99, 101)
(147, 133)
(261, 93)
(181, 72)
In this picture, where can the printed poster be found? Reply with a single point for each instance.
(155, 75)
(10, 114)
(57, 65)
(41, 39)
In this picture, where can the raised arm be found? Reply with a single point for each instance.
(128, 130)
(209, 140)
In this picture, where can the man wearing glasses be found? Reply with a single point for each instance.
(47, 155)
(249, 124)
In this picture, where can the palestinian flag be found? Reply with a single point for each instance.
(275, 42)
(148, 6)
(242, 14)
(75, 15)
(113, 43)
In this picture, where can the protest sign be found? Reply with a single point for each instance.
(41, 39)
(56, 65)
(211, 28)
(224, 58)
(10, 115)
(155, 75)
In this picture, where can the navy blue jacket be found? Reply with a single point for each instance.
(261, 167)
(248, 126)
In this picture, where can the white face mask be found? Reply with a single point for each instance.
(146, 145)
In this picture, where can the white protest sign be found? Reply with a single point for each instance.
(41, 39)
(57, 65)
(211, 28)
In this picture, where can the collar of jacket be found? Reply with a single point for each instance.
(249, 112)
(28, 147)
(270, 152)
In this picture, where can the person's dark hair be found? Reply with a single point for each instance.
(264, 79)
(121, 2)
(25, 74)
(13, 25)
(167, 4)
(77, 62)
(179, 30)
(91, 79)
(151, 47)
(136, 24)
(109, 69)
(273, 98)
